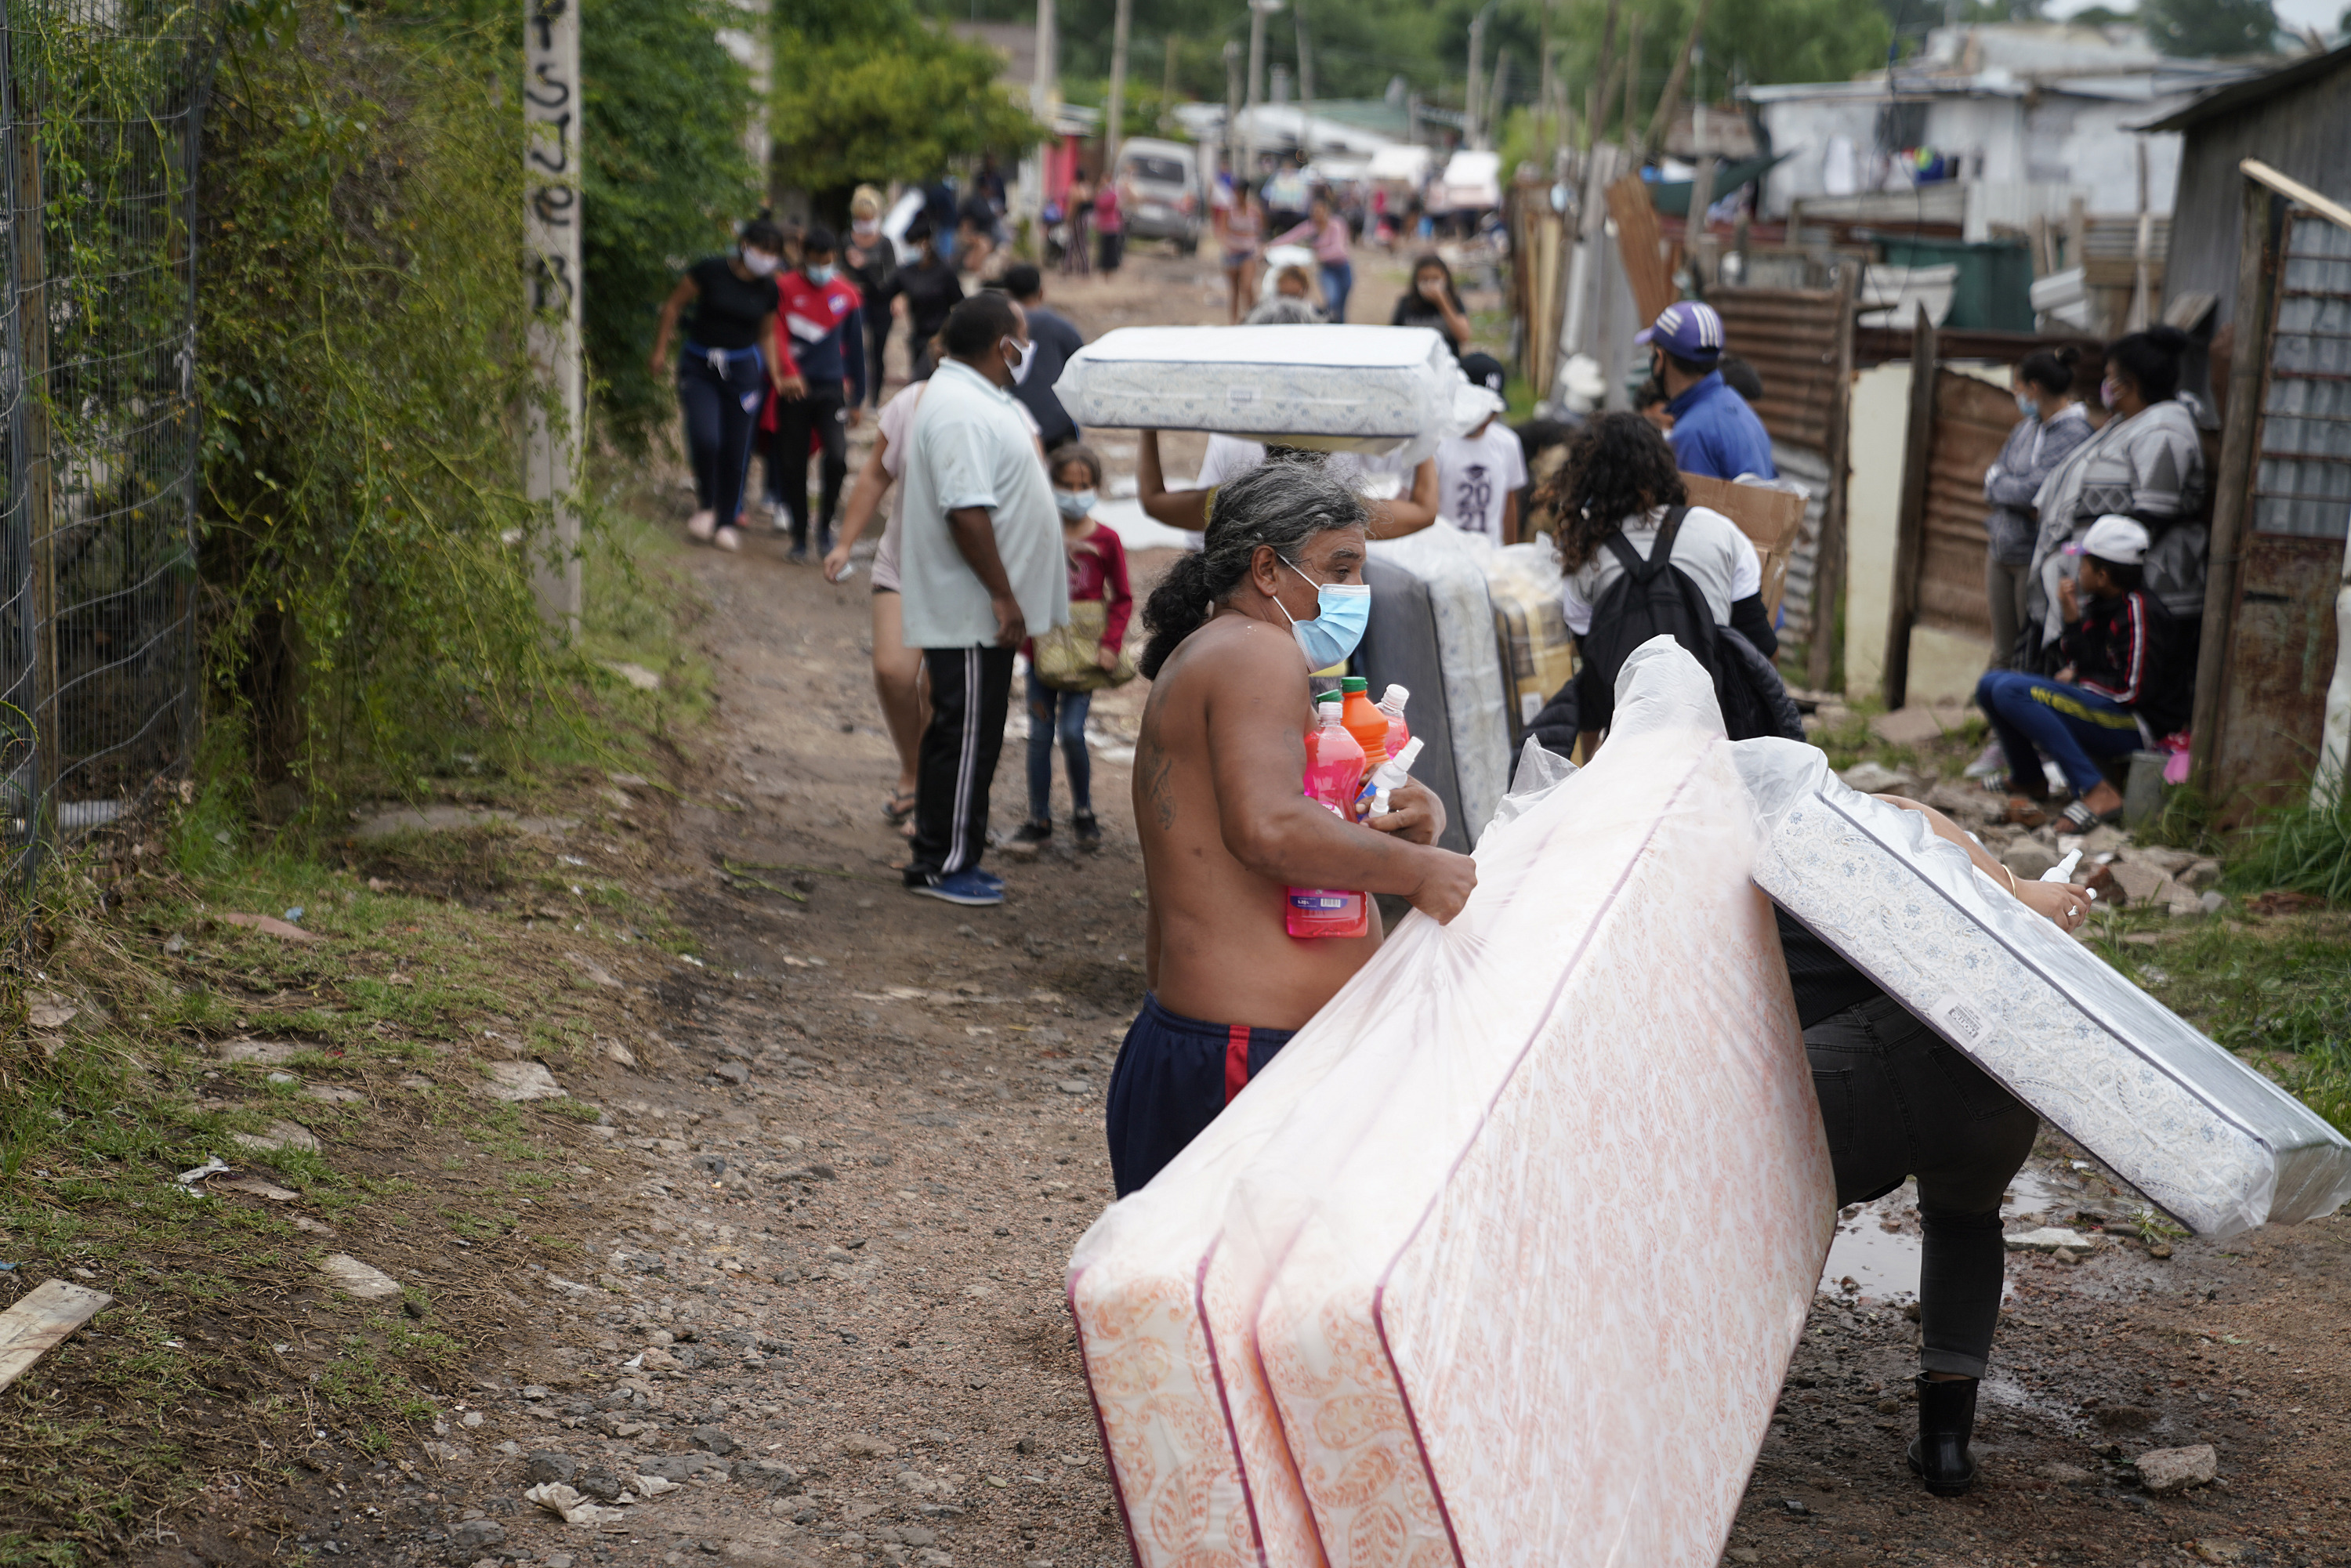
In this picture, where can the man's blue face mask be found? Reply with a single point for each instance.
(1341, 611)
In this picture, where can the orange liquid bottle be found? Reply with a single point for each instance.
(1334, 771)
(1366, 723)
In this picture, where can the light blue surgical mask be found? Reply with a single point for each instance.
(1074, 503)
(2027, 407)
(1341, 611)
(820, 275)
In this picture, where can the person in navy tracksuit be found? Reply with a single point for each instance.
(823, 388)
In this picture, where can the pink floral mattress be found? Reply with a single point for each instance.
(1414, 1299)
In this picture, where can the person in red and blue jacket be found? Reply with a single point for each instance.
(2118, 692)
(822, 389)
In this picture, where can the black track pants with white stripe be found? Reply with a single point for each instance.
(971, 690)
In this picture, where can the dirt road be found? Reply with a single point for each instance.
(869, 1129)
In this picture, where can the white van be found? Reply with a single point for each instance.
(1160, 181)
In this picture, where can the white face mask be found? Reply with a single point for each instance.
(1018, 357)
(760, 264)
(1074, 504)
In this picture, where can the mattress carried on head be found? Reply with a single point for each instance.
(1333, 388)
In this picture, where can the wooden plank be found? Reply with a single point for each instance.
(1828, 571)
(1769, 518)
(2286, 185)
(2258, 265)
(1638, 239)
(41, 1321)
(1910, 520)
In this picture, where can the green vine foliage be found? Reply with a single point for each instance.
(361, 343)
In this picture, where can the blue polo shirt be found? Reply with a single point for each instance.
(1716, 435)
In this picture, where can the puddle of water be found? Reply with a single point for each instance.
(1867, 1261)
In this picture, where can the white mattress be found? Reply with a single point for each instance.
(2214, 1142)
(1377, 389)
(1453, 565)
(1403, 1303)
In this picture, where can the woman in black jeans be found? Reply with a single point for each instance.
(1897, 1102)
(731, 358)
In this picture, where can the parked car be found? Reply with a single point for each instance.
(1161, 182)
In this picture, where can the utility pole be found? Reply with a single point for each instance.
(1043, 95)
(1498, 94)
(1305, 86)
(1116, 131)
(754, 44)
(550, 94)
(1233, 110)
(1470, 118)
(1167, 80)
(1259, 10)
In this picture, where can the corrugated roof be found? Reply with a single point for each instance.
(2253, 90)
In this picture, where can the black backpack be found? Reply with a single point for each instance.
(1653, 598)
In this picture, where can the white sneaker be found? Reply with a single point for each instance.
(1990, 763)
(701, 524)
(729, 538)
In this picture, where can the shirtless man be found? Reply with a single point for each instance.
(1235, 627)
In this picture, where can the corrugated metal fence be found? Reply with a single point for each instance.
(100, 103)
(1796, 340)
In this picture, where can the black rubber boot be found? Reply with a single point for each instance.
(1947, 1418)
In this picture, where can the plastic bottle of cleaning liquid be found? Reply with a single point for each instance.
(1367, 724)
(1334, 771)
(1392, 703)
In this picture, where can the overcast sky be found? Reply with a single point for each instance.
(2318, 14)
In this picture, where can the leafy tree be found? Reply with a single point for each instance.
(2206, 27)
(666, 173)
(872, 91)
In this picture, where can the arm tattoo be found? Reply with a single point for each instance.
(1158, 784)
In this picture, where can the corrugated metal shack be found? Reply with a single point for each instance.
(2263, 232)
(2297, 120)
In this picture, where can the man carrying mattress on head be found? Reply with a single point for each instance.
(1275, 590)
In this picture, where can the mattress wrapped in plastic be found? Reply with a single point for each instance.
(2210, 1141)
(1340, 388)
(1404, 1302)
(1469, 663)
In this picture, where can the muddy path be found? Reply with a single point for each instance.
(828, 1311)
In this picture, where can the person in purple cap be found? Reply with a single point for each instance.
(1714, 432)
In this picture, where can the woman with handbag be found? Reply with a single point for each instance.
(1068, 664)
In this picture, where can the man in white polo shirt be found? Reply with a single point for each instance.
(980, 568)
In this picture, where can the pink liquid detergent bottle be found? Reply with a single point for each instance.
(1335, 773)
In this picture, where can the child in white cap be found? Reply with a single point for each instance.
(2116, 692)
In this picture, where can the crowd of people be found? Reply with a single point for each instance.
(992, 548)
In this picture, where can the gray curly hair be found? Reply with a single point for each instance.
(1282, 502)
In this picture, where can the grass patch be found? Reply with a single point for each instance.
(228, 1359)
(2276, 991)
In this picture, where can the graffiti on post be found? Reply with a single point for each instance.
(551, 226)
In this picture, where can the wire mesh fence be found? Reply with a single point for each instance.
(100, 103)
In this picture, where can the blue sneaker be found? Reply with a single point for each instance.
(967, 887)
(988, 877)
